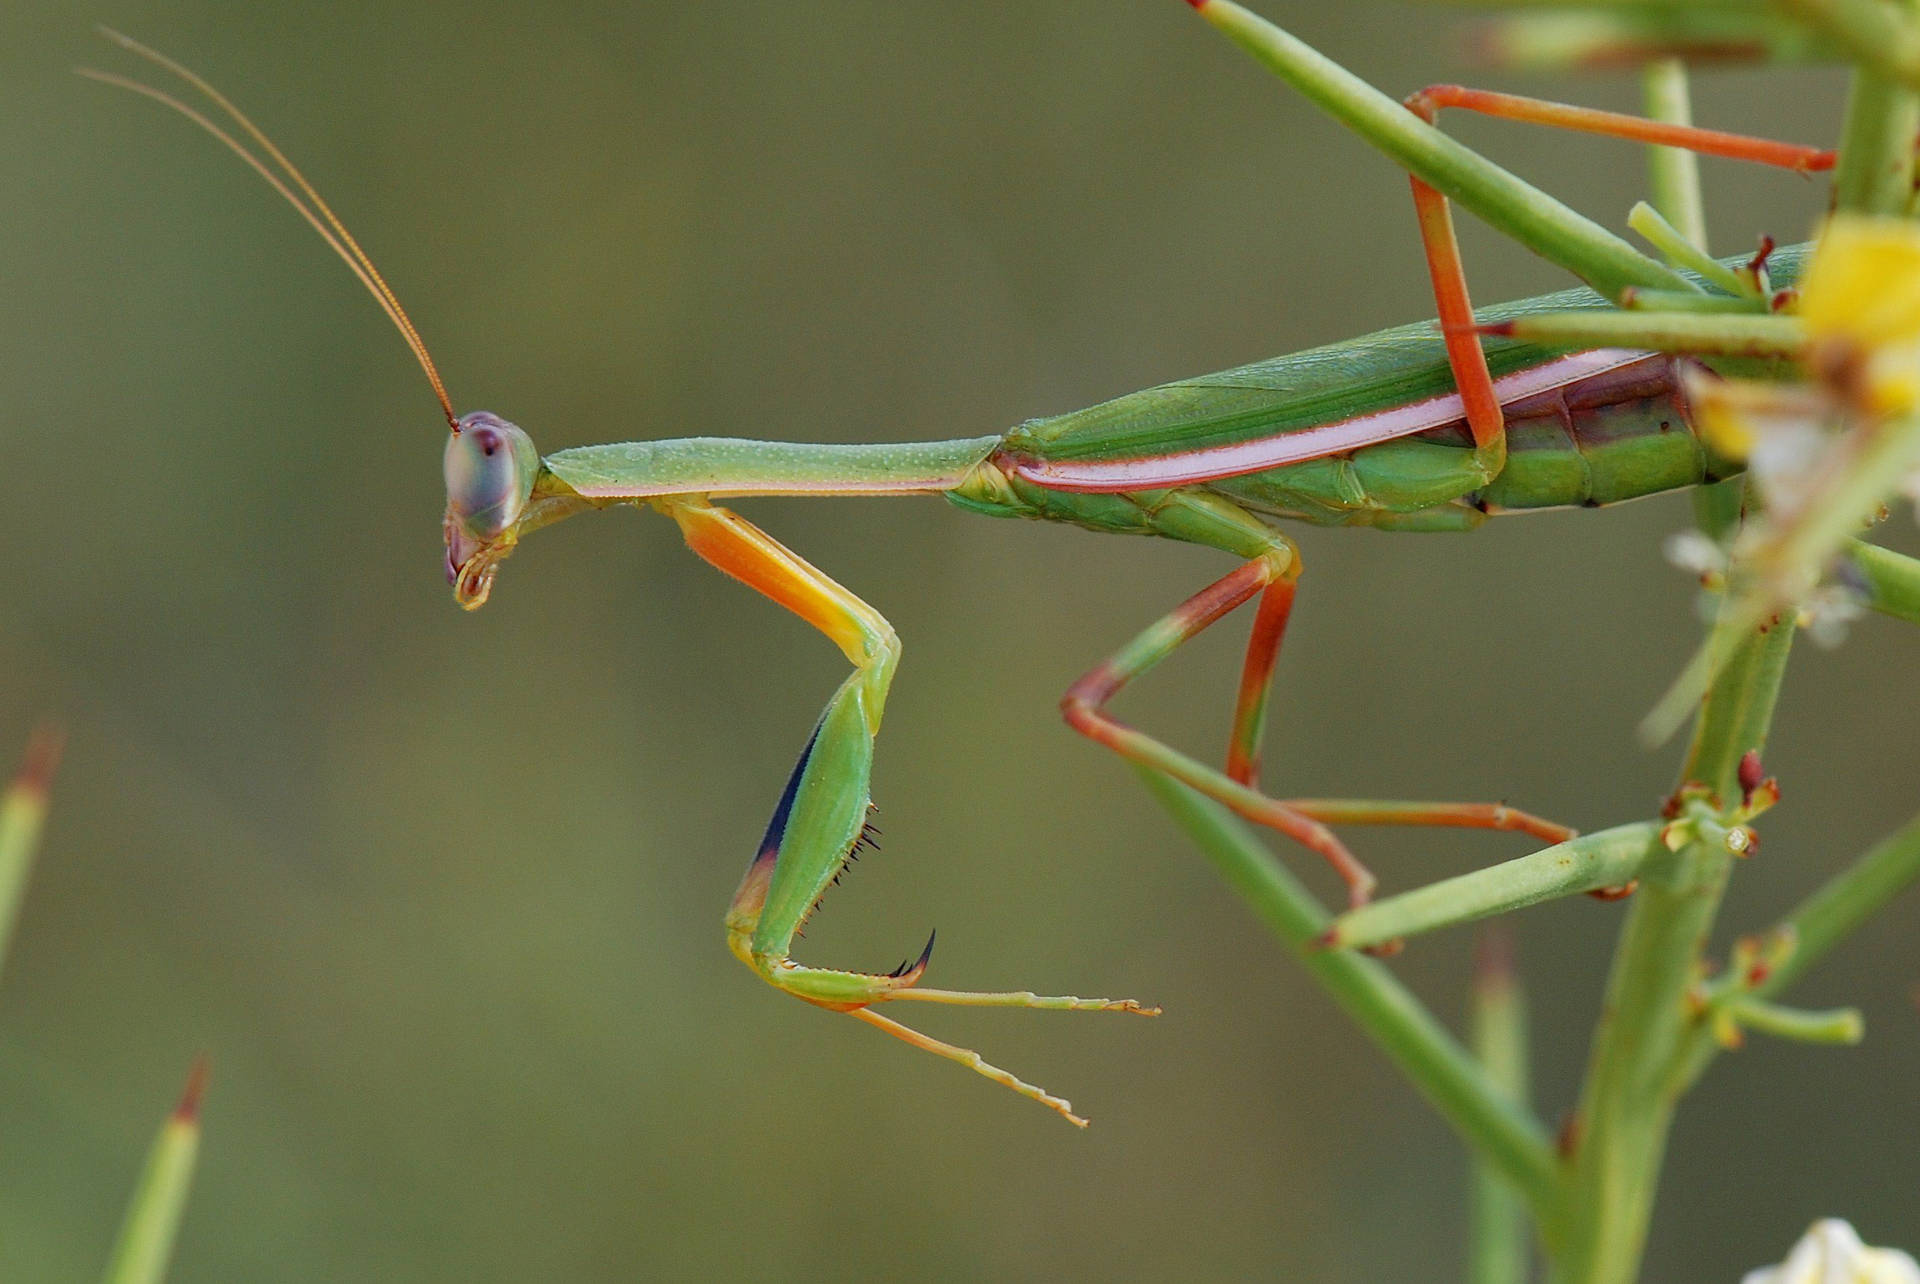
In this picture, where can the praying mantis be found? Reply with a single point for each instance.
(1555, 401)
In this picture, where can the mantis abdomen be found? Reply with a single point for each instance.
(1369, 433)
(1616, 435)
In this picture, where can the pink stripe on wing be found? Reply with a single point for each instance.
(1097, 476)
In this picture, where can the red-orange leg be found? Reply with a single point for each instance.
(1368, 811)
(1256, 680)
(1464, 354)
(1485, 420)
(1612, 124)
(1085, 708)
(1306, 820)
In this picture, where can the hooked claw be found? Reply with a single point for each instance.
(907, 973)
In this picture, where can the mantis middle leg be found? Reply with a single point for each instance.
(821, 820)
(1270, 573)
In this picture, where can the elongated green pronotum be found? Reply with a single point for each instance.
(1505, 410)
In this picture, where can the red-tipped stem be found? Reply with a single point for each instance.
(188, 1111)
(42, 759)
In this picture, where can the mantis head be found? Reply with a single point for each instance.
(490, 464)
(490, 468)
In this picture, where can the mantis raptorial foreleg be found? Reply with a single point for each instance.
(821, 820)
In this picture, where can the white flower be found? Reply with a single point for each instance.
(1788, 460)
(1910, 489)
(1826, 612)
(1791, 436)
(1830, 1253)
(1695, 552)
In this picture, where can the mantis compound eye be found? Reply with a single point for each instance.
(490, 469)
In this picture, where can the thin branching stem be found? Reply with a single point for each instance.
(1626, 1108)
(1498, 1232)
(1499, 1130)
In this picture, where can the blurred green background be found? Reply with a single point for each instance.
(441, 893)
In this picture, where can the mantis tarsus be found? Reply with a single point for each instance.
(1410, 428)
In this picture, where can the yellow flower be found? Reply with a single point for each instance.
(1863, 284)
(1723, 425)
(1741, 418)
(1860, 302)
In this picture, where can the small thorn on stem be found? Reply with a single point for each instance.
(1618, 892)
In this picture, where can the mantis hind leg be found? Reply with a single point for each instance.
(1465, 356)
(1270, 573)
(820, 823)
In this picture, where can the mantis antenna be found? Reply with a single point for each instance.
(315, 210)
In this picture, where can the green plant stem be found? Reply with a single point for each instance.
(1834, 1025)
(1501, 1133)
(1681, 249)
(159, 1201)
(1508, 204)
(1708, 333)
(1892, 580)
(1820, 922)
(1673, 173)
(1849, 899)
(1879, 35)
(23, 813)
(1610, 858)
(1875, 170)
(1627, 1104)
(1580, 39)
(1664, 301)
(1497, 1245)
